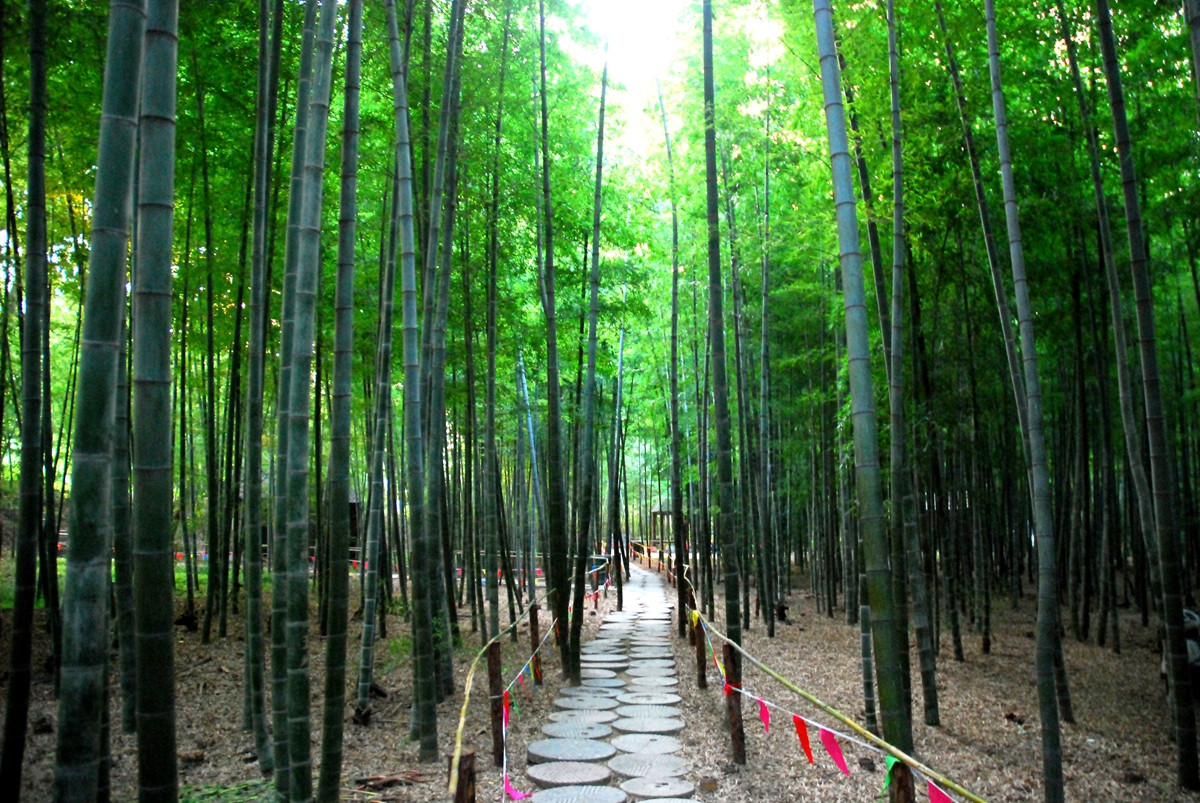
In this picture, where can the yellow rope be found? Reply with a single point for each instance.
(899, 754)
(462, 716)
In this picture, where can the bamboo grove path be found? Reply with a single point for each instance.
(610, 739)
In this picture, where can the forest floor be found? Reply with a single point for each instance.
(989, 739)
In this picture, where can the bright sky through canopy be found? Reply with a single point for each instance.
(642, 39)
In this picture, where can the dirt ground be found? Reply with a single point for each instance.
(989, 740)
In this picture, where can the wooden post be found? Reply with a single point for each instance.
(535, 638)
(733, 702)
(701, 658)
(901, 789)
(464, 792)
(496, 690)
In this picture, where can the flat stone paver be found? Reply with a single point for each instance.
(648, 725)
(581, 794)
(545, 750)
(648, 698)
(577, 730)
(583, 716)
(568, 773)
(633, 765)
(656, 744)
(647, 788)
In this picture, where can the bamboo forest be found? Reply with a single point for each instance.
(593, 400)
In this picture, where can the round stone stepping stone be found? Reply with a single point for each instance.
(604, 657)
(650, 672)
(603, 683)
(651, 663)
(643, 788)
(568, 773)
(592, 673)
(580, 794)
(649, 711)
(588, 692)
(586, 703)
(648, 698)
(576, 730)
(651, 652)
(655, 681)
(544, 750)
(612, 666)
(648, 725)
(583, 716)
(654, 744)
(633, 765)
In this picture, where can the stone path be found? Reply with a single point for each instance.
(610, 741)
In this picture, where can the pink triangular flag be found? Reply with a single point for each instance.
(835, 752)
(513, 794)
(937, 795)
(802, 732)
(764, 714)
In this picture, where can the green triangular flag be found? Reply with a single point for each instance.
(887, 779)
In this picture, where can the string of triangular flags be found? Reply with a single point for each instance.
(828, 736)
(510, 705)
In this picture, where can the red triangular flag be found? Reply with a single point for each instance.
(513, 793)
(506, 708)
(802, 732)
(835, 752)
(937, 795)
(764, 714)
(727, 689)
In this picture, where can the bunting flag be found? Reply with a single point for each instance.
(802, 732)
(513, 794)
(764, 714)
(887, 775)
(835, 752)
(506, 703)
(728, 688)
(936, 795)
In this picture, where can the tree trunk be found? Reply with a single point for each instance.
(726, 535)
(1048, 639)
(1182, 714)
(32, 446)
(425, 691)
(584, 458)
(83, 679)
(559, 583)
(890, 644)
(329, 783)
(903, 496)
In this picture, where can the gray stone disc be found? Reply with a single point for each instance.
(604, 657)
(635, 765)
(655, 681)
(591, 673)
(568, 773)
(583, 716)
(642, 788)
(580, 794)
(588, 691)
(576, 730)
(636, 662)
(655, 744)
(612, 666)
(648, 698)
(652, 652)
(603, 683)
(650, 672)
(649, 711)
(544, 750)
(586, 703)
(648, 725)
